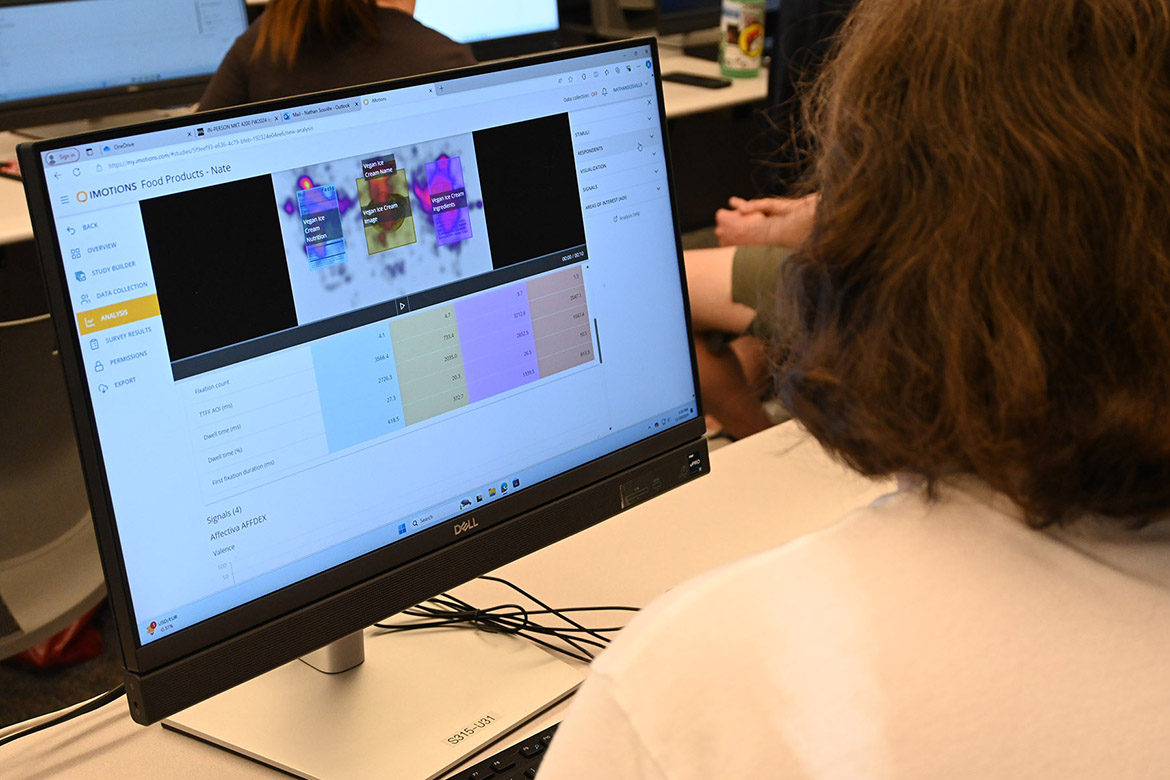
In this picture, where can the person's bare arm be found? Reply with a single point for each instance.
(765, 221)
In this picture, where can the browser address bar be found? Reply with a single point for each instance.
(539, 87)
(232, 142)
(568, 85)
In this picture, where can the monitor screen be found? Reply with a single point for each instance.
(499, 29)
(74, 59)
(381, 339)
(468, 21)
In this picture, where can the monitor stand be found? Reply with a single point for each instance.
(421, 703)
(701, 44)
(703, 51)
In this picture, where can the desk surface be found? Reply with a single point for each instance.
(14, 222)
(680, 100)
(762, 492)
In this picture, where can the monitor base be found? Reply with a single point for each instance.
(420, 704)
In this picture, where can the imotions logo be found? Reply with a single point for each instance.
(104, 192)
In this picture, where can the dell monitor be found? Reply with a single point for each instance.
(68, 60)
(504, 28)
(331, 355)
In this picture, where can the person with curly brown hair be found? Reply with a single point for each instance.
(982, 309)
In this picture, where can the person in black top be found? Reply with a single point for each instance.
(299, 46)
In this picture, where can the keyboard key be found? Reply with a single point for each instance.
(502, 763)
(518, 761)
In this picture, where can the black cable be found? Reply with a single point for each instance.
(81, 709)
(497, 620)
(497, 616)
(451, 615)
(457, 611)
(534, 599)
(448, 611)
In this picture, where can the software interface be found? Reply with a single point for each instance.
(55, 48)
(312, 332)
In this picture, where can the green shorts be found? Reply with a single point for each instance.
(753, 283)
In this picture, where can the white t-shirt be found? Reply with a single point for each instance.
(908, 640)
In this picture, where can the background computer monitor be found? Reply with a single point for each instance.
(66, 60)
(503, 28)
(697, 21)
(683, 16)
(333, 354)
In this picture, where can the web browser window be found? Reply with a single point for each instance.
(310, 333)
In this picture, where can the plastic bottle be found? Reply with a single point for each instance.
(741, 37)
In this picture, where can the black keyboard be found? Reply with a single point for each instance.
(515, 762)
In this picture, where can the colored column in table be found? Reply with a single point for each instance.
(357, 386)
(495, 332)
(429, 359)
(560, 321)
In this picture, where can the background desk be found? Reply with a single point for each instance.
(14, 222)
(762, 492)
(718, 152)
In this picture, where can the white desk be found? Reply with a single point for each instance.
(762, 492)
(680, 100)
(14, 222)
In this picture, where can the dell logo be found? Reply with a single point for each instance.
(466, 526)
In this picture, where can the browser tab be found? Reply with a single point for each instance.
(399, 97)
(138, 143)
(321, 110)
(253, 122)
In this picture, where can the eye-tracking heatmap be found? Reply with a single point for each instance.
(366, 229)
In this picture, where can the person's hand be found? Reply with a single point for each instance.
(765, 221)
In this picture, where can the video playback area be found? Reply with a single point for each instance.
(287, 258)
(362, 230)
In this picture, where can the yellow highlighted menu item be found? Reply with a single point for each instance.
(118, 314)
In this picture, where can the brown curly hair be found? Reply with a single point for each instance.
(986, 290)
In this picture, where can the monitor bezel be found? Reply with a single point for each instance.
(246, 632)
(489, 49)
(103, 102)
